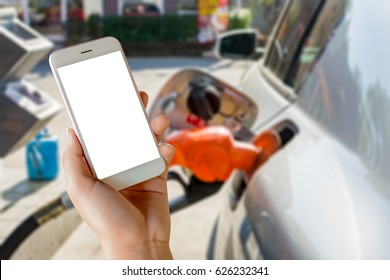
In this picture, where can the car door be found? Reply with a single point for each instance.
(324, 195)
(266, 85)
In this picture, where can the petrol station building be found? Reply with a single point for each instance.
(101, 7)
(115, 7)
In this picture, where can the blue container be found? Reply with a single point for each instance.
(42, 157)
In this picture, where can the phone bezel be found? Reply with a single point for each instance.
(89, 50)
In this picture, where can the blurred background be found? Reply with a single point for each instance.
(160, 38)
(278, 110)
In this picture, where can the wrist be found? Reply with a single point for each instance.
(151, 250)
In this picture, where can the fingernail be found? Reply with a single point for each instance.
(170, 145)
(171, 150)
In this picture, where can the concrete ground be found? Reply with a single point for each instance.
(67, 237)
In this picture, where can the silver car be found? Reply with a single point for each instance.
(326, 193)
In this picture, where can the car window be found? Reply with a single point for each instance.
(330, 18)
(345, 86)
(265, 15)
(289, 37)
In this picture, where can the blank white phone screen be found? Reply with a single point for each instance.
(106, 109)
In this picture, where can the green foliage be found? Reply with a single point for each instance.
(240, 18)
(265, 2)
(75, 30)
(149, 29)
(94, 26)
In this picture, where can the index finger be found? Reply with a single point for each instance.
(144, 97)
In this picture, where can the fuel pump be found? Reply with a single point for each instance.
(24, 108)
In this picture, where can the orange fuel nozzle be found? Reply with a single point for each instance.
(212, 153)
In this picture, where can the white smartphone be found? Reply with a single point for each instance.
(107, 112)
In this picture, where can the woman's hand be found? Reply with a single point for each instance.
(133, 223)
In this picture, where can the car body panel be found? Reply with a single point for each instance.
(319, 202)
(268, 100)
(325, 195)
